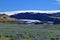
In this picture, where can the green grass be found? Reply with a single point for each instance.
(30, 32)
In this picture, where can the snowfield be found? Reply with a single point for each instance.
(34, 11)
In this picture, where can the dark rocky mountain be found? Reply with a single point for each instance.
(54, 17)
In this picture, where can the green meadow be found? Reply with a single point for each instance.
(29, 32)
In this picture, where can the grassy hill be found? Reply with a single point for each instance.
(6, 19)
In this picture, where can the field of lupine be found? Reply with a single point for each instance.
(29, 32)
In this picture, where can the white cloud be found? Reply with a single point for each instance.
(57, 1)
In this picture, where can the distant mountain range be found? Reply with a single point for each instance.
(43, 16)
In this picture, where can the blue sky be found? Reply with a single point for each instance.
(15, 5)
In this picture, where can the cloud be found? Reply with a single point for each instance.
(57, 1)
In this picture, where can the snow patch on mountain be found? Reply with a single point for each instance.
(34, 11)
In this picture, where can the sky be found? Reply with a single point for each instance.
(16, 5)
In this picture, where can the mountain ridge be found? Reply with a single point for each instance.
(44, 16)
(54, 17)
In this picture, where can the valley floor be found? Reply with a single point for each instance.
(29, 32)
